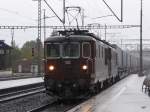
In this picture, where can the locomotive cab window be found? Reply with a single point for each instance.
(70, 50)
(53, 50)
(86, 49)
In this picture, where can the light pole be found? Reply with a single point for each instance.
(64, 11)
(12, 45)
(141, 46)
(39, 37)
(44, 25)
(44, 22)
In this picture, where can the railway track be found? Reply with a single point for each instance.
(21, 91)
(56, 106)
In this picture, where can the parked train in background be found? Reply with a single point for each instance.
(77, 62)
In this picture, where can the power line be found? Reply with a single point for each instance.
(90, 26)
(16, 13)
(119, 19)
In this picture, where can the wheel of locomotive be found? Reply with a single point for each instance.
(98, 87)
(105, 84)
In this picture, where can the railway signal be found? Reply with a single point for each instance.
(32, 51)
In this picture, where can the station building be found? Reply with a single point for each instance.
(28, 66)
(5, 55)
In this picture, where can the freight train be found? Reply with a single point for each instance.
(78, 62)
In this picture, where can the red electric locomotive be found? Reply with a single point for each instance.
(77, 62)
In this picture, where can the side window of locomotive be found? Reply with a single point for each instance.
(102, 52)
(116, 59)
(99, 51)
(86, 49)
(70, 50)
(53, 50)
(106, 56)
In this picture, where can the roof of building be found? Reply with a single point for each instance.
(3, 45)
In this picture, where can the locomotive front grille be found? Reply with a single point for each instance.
(70, 70)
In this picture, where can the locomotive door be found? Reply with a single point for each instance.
(108, 60)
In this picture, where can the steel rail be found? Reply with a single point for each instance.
(20, 93)
(38, 109)
(55, 105)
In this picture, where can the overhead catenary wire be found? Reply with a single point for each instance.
(115, 15)
(17, 14)
(53, 11)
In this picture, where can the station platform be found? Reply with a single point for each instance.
(9, 74)
(124, 96)
(19, 82)
(5, 73)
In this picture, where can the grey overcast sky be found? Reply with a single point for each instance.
(24, 12)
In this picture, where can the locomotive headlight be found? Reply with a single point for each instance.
(84, 67)
(51, 67)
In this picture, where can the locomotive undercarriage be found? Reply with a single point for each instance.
(101, 85)
(73, 89)
(67, 89)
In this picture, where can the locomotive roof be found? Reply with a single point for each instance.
(75, 35)
(71, 38)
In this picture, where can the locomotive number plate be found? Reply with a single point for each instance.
(68, 62)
